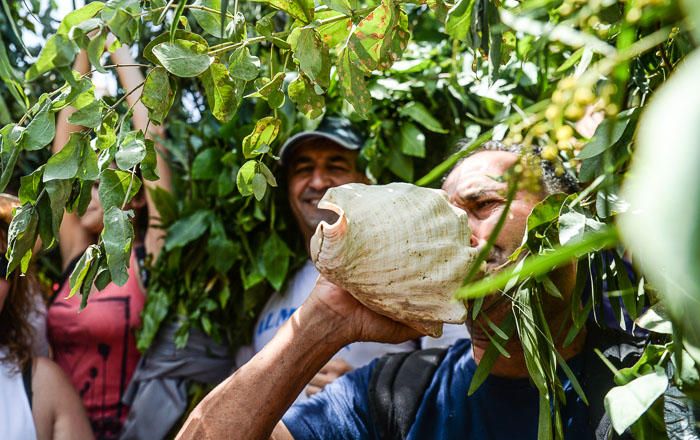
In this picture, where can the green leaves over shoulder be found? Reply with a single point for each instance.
(183, 58)
(259, 141)
(117, 236)
(165, 37)
(158, 94)
(223, 93)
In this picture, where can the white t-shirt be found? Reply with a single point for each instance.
(16, 420)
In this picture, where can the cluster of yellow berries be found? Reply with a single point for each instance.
(634, 14)
(554, 129)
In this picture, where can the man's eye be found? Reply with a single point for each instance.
(484, 207)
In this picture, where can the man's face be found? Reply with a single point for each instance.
(471, 187)
(314, 167)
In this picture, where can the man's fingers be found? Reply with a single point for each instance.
(311, 390)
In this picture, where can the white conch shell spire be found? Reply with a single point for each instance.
(400, 249)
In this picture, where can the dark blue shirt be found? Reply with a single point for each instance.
(500, 409)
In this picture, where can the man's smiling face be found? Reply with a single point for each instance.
(315, 166)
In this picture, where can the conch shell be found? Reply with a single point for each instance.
(401, 250)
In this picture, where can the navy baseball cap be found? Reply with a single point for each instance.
(339, 130)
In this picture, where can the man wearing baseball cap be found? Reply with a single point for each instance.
(313, 162)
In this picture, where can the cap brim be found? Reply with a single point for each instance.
(293, 142)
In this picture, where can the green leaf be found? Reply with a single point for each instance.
(65, 164)
(42, 128)
(655, 319)
(72, 92)
(459, 19)
(29, 186)
(259, 186)
(207, 164)
(58, 51)
(95, 49)
(352, 83)
(346, 7)
(609, 133)
(165, 204)
(132, 150)
(242, 65)
(491, 355)
(11, 79)
(21, 236)
(82, 267)
(417, 111)
(573, 227)
(89, 116)
(334, 32)
(244, 178)
(176, 19)
(265, 171)
(165, 37)
(11, 136)
(381, 37)
(78, 16)
(59, 192)
(113, 188)
(211, 23)
(223, 93)
(302, 10)
(303, 94)
(313, 57)
(117, 236)
(264, 133)
(270, 90)
(183, 58)
(274, 261)
(122, 19)
(188, 229)
(158, 94)
(224, 252)
(149, 164)
(625, 404)
(412, 140)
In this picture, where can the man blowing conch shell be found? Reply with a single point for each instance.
(251, 403)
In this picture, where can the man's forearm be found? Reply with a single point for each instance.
(251, 402)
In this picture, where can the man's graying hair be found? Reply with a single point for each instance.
(551, 182)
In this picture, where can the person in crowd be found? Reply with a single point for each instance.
(97, 347)
(37, 401)
(252, 402)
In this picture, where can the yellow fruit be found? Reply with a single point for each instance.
(552, 113)
(564, 133)
(583, 96)
(573, 112)
(550, 153)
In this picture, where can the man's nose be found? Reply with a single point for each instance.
(320, 180)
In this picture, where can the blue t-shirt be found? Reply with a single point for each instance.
(500, 409)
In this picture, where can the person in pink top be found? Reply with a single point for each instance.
(97, 347)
